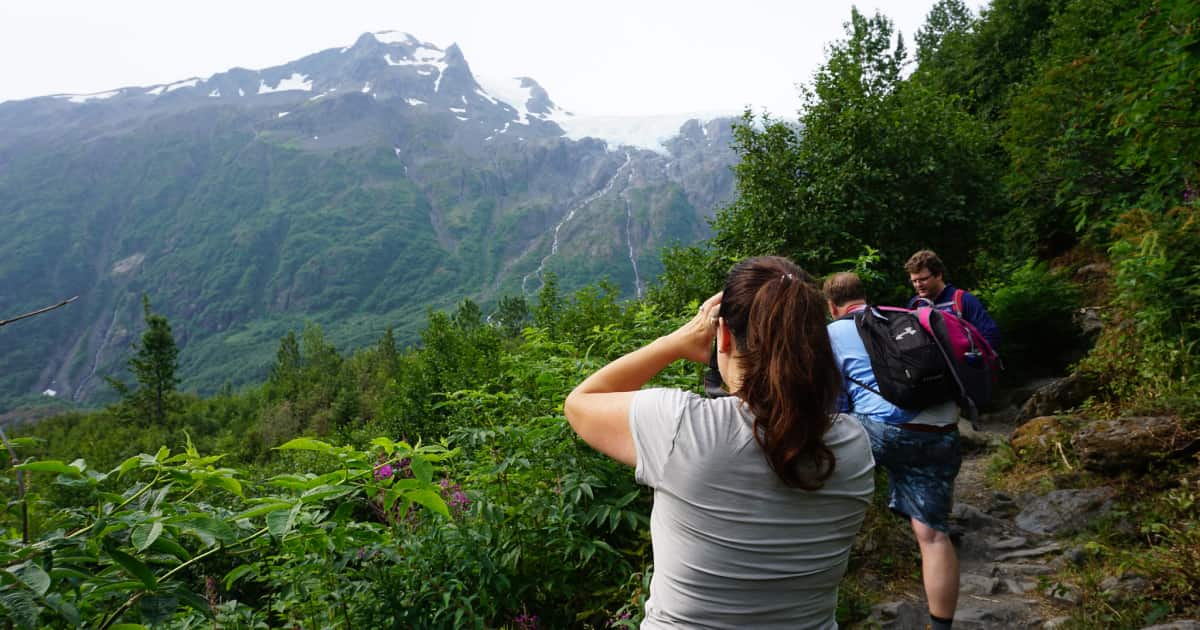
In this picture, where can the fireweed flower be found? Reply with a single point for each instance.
(384, 472)
(526, 621)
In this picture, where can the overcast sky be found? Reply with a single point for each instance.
(617, 57)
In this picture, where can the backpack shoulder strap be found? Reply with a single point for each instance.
(958, 302)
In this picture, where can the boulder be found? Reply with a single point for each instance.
(1060, 395)
(1113, 446)
(1065, 511)
(1039, 435)
(1182, 624)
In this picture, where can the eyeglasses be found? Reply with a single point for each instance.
(921, 279)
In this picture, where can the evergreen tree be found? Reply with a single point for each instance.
(154, 366)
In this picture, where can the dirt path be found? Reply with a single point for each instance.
(999, 563)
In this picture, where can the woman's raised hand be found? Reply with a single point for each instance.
(693, 340)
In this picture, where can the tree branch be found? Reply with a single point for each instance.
(39, 311)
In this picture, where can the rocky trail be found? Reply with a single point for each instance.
(1009, 549)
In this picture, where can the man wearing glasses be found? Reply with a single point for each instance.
(926, 271)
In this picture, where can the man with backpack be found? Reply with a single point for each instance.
(918, 448)
(927, 274)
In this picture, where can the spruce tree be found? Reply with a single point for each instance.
(154, 366)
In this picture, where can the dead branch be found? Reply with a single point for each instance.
(39, 311)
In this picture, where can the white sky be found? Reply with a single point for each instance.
(617, 57)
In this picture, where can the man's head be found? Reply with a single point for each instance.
(843, 290)
(926, 271)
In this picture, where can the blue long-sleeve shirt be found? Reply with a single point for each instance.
(972, 311)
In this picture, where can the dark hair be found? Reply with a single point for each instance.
(843, 287)
(790, 379)
(927, 260)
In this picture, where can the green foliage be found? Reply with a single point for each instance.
(881, 162)
(154, 364)
(1035, 309)
(166, 526)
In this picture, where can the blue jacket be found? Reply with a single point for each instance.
(973, 312)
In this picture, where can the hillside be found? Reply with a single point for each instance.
(354, 188)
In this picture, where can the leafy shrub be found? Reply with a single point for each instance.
(1034, 308)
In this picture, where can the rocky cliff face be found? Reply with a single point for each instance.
(352, 188)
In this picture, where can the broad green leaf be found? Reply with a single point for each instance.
(422, 469)
(324, 492)
(65, 609)
(265, 508)
(228, 483)
(238, 573)
(145, 534)
(166, 544)
(32, 576)
(280, 523)
(124, 586)
(128, 465)
(50, 465)
(430, 500)
(162, 454)
(134, 567)
(62, 573)
(386, 444)
(306, 444)
(207, 528)
(19, 606)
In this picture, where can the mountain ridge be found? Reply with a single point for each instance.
(340, 189)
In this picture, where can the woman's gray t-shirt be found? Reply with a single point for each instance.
(733, 546)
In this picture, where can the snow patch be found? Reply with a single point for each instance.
(414, 102)
(462, 118)
(83, 98)
(182, 84)
(366, 87)
(393, 37)
(156, 91)
(50, 392)
(643, 132)
(295, 82)
(215, 93)
(282, 114)
(241, 92)
(458, 110)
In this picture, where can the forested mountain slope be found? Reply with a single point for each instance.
(355, 188)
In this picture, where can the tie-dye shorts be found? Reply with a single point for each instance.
(921, 468)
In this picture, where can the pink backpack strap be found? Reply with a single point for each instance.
(958, 302)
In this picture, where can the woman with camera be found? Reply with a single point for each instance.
(757, 495)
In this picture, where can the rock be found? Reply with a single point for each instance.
(1059, 395)
(1018, 394)
(1028, 553)
(1093, 273)
(1004, 544)
(995, 614)
(1076, 556)
(972, 440)
(1111, 446)
(1019, 586)
(1064, 592)
(1089, 320)
(1065, 511)
(1182, 624)
(1120, 589)
(1021, 569)
(972, 517)
(1056, 622)
(971, 584)
(902, 615)
(1039, 435)
(1002, 506)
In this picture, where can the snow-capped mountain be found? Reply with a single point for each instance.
(354, 187)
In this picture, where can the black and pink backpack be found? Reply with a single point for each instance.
(925, 356)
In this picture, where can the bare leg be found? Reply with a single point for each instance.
(939, 569)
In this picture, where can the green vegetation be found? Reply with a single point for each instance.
(1038, 145)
